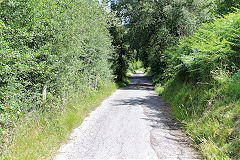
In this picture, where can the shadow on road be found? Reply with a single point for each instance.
(155, 109)
(140, 82)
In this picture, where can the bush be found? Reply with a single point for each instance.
(50, 50)
(212, 47)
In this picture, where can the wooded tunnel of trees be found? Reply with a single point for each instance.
(51, 50)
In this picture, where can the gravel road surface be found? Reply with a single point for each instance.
(132, 123)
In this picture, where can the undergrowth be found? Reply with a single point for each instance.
(135, 66)
(39, 135)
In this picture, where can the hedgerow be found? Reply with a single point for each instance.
(48, 51)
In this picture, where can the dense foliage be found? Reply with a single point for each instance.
(152, 27)
(48, 51)
(212, 48)
(120, 54)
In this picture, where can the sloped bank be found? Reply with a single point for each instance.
(204, 89)
(210, 116)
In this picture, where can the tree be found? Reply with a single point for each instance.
(155, 26)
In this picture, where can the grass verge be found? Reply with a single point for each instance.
(39, 136)
(210, 114)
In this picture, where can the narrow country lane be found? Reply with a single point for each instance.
(130, 124)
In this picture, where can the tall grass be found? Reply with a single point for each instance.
(209, 112)
(40, 135)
